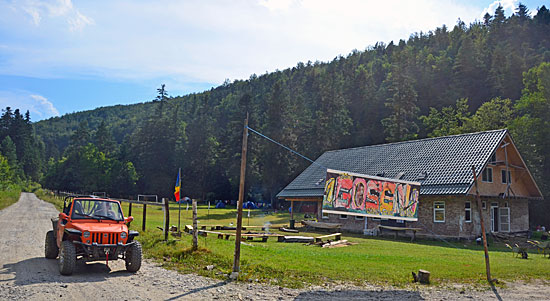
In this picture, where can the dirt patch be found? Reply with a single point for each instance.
(26, 275)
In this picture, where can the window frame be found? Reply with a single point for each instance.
(343, 216)
(325, 215)
(359, 218)
(468, 212)
(438, 209)
(485, 174)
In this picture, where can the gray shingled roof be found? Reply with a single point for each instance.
(446, 160)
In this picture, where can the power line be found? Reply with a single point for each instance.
(285, 147)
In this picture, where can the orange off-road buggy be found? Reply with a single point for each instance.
(92, 228)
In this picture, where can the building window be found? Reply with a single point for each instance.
(494, 158)
(505, 204)
(325, 215)
(359, 218)
(439, 212)
(468, 212)
(487, 175)
(376, 219)
(484, 205)
(343, 216)
(503, 176)
(400, 221)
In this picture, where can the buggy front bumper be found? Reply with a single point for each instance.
(95, 251)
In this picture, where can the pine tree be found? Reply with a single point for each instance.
(401, 124)
(104, 140)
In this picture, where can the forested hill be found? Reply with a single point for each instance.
(367, 97)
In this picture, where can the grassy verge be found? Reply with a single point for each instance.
(49, 197)
(9, 196)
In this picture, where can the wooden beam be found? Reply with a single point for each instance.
(237, 257)
(487, 265)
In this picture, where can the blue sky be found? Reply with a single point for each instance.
(64, 56)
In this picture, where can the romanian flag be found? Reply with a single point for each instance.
(178, 187)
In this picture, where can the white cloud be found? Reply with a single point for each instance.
(276, 4)
(79, 21)
(43, 104)
(509, 7)
(38, 10)
(207, 41)
(39, 106)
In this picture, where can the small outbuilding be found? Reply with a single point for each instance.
(443, 166)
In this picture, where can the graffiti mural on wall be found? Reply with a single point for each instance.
(364, 195)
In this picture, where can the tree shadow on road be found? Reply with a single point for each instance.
(360, 295)
(42, 270)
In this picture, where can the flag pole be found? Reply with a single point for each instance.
(179, 200)
(237, 257)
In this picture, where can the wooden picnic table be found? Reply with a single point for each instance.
(397, 229)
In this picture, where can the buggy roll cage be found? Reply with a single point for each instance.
(72, 196)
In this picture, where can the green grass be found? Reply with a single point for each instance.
(379, 261)
(9, 196)
(50, 197)
(372, 260)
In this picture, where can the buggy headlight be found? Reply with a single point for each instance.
(123, 235)
(86, 234)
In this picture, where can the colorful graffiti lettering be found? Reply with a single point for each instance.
(388, 198)
(343, 191)
(371, 197)
(372, 204)
(328, 198)
(359, 194)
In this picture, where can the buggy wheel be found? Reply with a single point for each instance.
(67, 258)
(50, 249)
(133, 257)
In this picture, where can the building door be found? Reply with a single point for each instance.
(494, 217)
(504, 218)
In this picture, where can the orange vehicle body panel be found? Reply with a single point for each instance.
(90, 225)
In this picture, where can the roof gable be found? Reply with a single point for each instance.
(447, 161)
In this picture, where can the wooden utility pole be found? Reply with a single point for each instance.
(237, 257)
(487, 266)
(195, 227)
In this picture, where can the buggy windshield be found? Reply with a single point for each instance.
(97, 209)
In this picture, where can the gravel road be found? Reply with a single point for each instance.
(26, 275)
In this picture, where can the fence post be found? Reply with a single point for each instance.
(195, 227)
(144, 217)
(129, 212)
(166, 218)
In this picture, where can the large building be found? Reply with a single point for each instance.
(447, 205)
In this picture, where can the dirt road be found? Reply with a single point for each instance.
(26, 275)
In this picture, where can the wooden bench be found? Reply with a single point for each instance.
(397, 229)
(222, 235)
(337, 236)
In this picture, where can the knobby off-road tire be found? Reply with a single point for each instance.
(67, 258)
(50, 249)
(133, 257)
